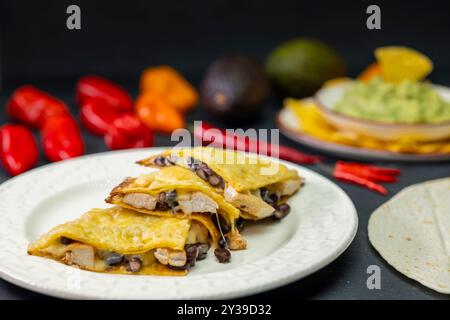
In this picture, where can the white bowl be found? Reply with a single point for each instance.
(327, 98)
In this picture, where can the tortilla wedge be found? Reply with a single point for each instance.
(412, 233)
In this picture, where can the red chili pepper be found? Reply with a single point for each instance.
(372, 168)
(19, 151)
(350, 177)
(33, 107)
(210, 135)
(98, 87)
(364, 171)
(61, 138)
(127, 132)
(97, 116)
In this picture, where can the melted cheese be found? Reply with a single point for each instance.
(171, 178)
(242, 171)
(123, 231)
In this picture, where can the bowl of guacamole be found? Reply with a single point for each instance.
(406, 110)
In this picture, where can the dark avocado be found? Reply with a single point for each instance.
(234, 88)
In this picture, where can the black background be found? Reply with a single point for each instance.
(119, 39)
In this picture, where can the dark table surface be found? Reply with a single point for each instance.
(346, 277)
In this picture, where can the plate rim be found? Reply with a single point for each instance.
(351, 151)
(274, 283)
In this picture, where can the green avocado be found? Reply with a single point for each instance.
(299, 67)
(234, 88)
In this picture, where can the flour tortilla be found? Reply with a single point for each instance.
(412, 233)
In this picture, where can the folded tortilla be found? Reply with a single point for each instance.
(412, 233)
(243, 177)
(89, 242)
(190, 194)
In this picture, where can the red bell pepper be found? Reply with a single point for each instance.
(19, 151)
(97, 116)
(61, 138)
(98, 87)
(33, 107)
(126, 132)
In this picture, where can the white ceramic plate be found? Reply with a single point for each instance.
(327, 98)
(291, 128)
(321, 225)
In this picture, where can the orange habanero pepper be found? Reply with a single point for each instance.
(171, 85)
(157, 114)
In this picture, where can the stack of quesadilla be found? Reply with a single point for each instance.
(257, 187)
(166, 220)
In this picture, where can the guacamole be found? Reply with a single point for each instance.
(405, 102)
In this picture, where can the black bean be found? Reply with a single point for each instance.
(171, 160)
(268, 197)
(191, 254)
(194, 164)
(65, 240)
(240, 223)
(263, 192)
(222, 225)
(223, 255)
(186, 266)
(170, 198)
(202, 256)
(202, 250)
(134, 264)
(208, 170)
(162, 197)
(281, 211)
(160, 161)
(274, 197)
(222, 242)
(214, 180)
(221, 183)
(114, 259)
(171, 195)
(202, 173)
(162, 206)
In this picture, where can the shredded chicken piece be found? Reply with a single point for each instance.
(288, 187)
(80, 254)
(140, 200)
(174, 258)
(197, 202)
(197, 233)
(162, 255)
(249, 203)
(236, 241)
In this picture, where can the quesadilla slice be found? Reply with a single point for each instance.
(258, 187)
(119, 240)
(177, 191)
